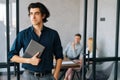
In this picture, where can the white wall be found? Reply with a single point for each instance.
(64, 18)
(105, 29)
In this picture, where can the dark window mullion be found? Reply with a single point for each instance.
(94, 38)
(7, 38)
(17, 31)
(84, 37)
(117, 39)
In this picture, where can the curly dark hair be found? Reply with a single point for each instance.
(43, 9)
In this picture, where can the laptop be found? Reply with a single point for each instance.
(32, 48)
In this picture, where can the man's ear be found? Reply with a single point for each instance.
(43, 16)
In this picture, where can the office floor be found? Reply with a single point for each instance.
(4, 77)
(13, 77)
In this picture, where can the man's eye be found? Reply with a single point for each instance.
(37, 13)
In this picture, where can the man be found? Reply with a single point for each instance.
(73, 51)
(38, 68)
(74, 48)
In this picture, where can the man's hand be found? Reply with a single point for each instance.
(56, 77)
(35, 60)
(73, 45)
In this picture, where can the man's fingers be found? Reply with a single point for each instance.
(36, 55)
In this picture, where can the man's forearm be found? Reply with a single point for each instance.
(19, 59)
(34, 60)
(57, 68)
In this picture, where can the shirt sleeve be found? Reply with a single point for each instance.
(78, 51)
(15, 47)
(66, 49)
(58, 50)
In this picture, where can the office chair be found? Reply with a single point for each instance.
(77, 74)
(111, 77)
(102, 71)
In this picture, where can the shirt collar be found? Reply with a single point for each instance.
(32, 28)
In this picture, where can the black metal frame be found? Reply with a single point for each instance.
(17, 66)
(94, 38)
(117, 39)
(84, 37)
(8, 37)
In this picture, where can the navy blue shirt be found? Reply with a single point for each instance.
(49, 38)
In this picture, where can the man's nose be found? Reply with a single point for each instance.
(33, 16)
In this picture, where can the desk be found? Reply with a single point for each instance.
(65, 65)
(69, 64)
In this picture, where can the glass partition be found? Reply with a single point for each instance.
(3, 31)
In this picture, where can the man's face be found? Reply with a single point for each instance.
(77, 39)
(35, 16)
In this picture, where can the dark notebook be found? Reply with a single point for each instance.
(32, 48)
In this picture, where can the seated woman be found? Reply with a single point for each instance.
(89, 50)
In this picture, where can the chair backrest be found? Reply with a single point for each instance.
(103, 71)
(108, 70)
(111, 77)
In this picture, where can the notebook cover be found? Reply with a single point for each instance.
(32, 48)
